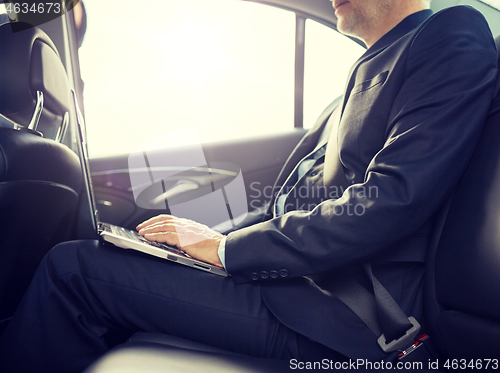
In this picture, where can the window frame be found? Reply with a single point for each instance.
(300, 37)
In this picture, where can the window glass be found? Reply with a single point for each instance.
(329, 56)
(225, 66)
(493, 3)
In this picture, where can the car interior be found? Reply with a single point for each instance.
(43, 200)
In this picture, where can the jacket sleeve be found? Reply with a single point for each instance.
(434, 125)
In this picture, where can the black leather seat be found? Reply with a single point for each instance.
(462, 297)
(158, 353)
(40, 178)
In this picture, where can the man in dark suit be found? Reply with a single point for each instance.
(413, 110)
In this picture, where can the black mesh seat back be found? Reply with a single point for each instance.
(466, 266)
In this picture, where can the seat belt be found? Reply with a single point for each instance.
(379, 311)
(359, 300)
(397, 328)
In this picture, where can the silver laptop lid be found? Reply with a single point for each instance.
(82, 149)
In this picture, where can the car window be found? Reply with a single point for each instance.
(225, 66)
(329, 56)
(3, 14)
(493, 3)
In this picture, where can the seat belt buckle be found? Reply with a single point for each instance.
(401, 343)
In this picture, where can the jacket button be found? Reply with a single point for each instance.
(254, 276)
(283, 273)
(264, 275)
(274, 274)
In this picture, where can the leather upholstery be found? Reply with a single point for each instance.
(29, 62)
(466, 267)
(34, 216)
(24, 156)
(156, 358)
(40, 179)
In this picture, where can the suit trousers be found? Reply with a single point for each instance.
(85, 298)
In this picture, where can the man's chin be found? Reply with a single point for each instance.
(344, 28)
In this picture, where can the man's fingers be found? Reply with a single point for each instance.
(180, 232)
(164, 237)
(171, 226)
(154, 220)
(161, 226)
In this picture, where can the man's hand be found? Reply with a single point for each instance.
(196, 239)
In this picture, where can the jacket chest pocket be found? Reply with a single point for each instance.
(362, 128)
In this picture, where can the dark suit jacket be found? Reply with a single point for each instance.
(413, 111)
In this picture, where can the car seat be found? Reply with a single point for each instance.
(40, 178)
(462, 301)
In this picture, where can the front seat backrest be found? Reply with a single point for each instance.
(30, 63)
(40, 179)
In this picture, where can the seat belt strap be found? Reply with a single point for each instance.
(393, 320)
(371, 309)
(359, 300)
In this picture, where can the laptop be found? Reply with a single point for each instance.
(126, 238)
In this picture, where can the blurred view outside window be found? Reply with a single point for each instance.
(329, 56)
(225, 66)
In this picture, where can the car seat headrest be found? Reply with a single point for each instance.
(30, 62)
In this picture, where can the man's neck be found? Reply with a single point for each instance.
(398, 14)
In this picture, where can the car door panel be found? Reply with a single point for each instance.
(259, 160)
